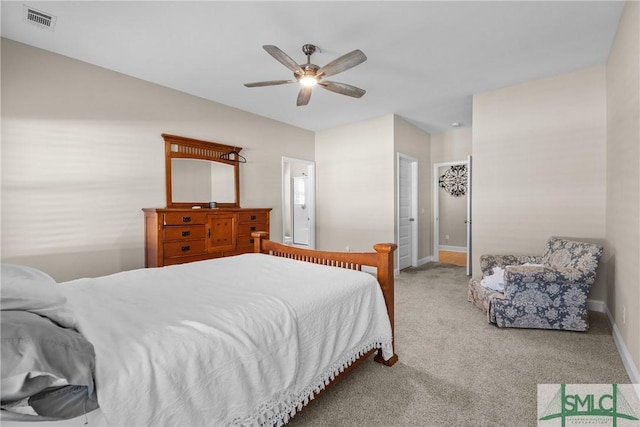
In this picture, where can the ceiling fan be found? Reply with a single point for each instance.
(310, 74)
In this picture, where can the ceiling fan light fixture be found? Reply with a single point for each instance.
(310, 75)
(308, 81)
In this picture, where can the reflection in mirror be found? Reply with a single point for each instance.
(200, 172)
(196, 180)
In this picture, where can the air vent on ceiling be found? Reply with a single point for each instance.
(39, 18)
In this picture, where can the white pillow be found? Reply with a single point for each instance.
(494, 281)
(29, 289)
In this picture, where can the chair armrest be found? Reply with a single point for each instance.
(536, 285)
(542, 274)
(487, 262)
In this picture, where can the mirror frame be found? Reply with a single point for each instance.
(189, 148)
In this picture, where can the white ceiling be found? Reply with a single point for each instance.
(426, 59)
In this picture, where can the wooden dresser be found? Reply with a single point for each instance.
(178, 235)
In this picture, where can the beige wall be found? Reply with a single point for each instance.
(414, 142)
(451, 146)
(355, 185)
(539, 165)
(82, 154)
(623, 181)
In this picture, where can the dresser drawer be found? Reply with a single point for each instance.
(248, 228)
(245, 243)
(185, 218)
(185, 248)
(192, 258)
(176, 235)
(252, 217)
(188, 232)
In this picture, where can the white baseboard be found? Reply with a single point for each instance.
(423, 261)
(627, 361)
(596, 305)
(452, 248)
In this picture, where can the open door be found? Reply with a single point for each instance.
(298, 202)
(300, 217)
(468, 221)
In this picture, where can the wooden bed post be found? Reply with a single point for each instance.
(386, 279)
(258, 236)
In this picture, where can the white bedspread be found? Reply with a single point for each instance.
(242, 340)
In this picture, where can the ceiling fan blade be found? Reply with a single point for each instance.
(343, 63)
(283, 58)
(269, 83)
(343, 89)
(303, 96)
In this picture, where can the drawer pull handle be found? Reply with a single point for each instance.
(253, 228)
(186, 233)
(185, 248)
(186, 219)
(253, 217)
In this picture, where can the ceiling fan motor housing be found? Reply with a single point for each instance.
(310, 70)
(308, 49)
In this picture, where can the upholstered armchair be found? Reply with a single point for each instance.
(547, 292)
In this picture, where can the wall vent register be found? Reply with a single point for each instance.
(39, 18)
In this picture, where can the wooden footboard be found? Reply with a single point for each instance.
(381, 259)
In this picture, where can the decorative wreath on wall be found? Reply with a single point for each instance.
(454, 180)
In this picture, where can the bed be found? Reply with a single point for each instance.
(243, 340)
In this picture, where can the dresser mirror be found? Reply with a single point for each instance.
(199, 172)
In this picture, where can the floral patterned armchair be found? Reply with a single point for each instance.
(549, 293)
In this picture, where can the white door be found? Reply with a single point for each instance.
(468, 220)
(300, 211)
(406, 221)
(305, 218)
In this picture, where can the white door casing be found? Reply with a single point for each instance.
(287, 198)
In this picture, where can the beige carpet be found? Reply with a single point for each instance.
(457, 370)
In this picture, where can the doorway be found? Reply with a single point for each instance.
(407, 211)
(300, 215)
(298, 202)
(452, 213)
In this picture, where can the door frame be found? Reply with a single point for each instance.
(414, 209)
(311, 197)
(436, 208)
(292, 186)
(469, 216)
